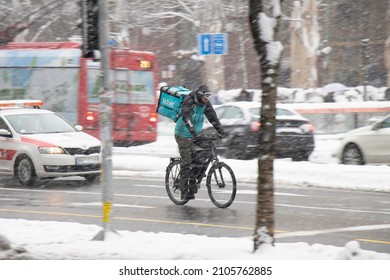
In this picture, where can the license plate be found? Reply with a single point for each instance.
(87, 160)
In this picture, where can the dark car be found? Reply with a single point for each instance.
(241, 120)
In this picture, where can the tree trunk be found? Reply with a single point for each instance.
(269, 54)
(387, 59)
(305, 40)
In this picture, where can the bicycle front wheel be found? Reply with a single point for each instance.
(172, 180)
(221, 185)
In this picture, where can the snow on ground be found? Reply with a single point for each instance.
(61, 241)
(72, 241)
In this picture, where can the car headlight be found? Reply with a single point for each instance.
(307, 128)
(51, 150)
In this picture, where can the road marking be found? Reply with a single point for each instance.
(373, 241)
(116, 205)
(50, 213)
(204, 199)
(332, 209)
(278, 233)
(132, 219)
(184, 223)
(45, 191)
(239, 191)
(254, 192)
(149, 186)
(9, 199)
(332, 230)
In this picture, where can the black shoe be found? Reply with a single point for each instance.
(183, 195)
(189, 195)
(194, 186)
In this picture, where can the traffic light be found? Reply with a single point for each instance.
(89, 27)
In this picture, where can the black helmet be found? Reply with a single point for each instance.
(204, 90)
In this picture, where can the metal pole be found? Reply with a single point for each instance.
(105, 121)
(364, 43)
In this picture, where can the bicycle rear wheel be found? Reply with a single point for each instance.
(172, 183)
(221, 185)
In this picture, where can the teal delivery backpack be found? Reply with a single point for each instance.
(171, 98)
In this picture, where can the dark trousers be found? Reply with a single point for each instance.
(194, 155)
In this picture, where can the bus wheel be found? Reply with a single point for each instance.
(25, 171)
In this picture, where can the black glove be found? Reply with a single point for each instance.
(197, 137)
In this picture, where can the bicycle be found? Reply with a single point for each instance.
(220, 180)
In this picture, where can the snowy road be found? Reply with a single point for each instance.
(317, 202)
(313, 215)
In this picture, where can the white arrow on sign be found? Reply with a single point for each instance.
(206, 45)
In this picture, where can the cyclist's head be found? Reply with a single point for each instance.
(204, 93)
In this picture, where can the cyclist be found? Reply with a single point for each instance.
(187, 134)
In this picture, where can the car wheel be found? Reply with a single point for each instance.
(231, 150)
(25, 171)
(248, 155)
(235, 149)
(352, 155)
(300, 156)
(92, 178)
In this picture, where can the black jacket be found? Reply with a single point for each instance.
(192, 116)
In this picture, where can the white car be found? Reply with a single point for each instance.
(366, 145)
(37, 144)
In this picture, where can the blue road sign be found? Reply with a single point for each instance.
(112, 43)
(204, 44)
(216, 43)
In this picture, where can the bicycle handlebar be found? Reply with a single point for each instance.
(211, 137)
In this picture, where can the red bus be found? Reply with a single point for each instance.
(69, 84)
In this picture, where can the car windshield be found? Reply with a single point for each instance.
(385, 123)
(39, 123)
(279, 112)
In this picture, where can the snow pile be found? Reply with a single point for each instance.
(71, 241)
(7, 252)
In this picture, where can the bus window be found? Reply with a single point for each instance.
(28, 74)
(93, 80)
(142, 89)
(121, 86)
(133, 87)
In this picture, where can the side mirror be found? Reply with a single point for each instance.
(78, 127)
(5, 133)
(376, 125)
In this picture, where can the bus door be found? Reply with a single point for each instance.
(89, 116)
(133, 107)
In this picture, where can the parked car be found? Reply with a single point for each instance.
(241, 120)
(366, 145)
(36, 143)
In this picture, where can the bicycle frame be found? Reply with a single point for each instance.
(213, 157)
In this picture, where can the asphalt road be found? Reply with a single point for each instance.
(302, 214)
